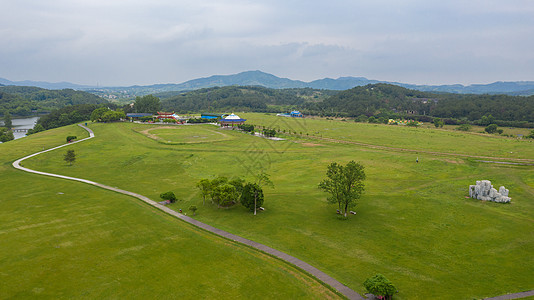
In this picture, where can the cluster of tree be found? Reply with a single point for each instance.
(246, 127)
(240, 98)
(225, 192)
(67, 115)
(23, 100)
(269, 132)
(104, 114)
(385, 99)
(221, 190)
(147, 104)
(6, 135)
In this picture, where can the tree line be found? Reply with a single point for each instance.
(25, 100)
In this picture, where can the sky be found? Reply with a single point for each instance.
(122, 43)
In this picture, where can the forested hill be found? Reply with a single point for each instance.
(23, 100)
(375, 99)
(240, 98)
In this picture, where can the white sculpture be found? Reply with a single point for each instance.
(483, 190)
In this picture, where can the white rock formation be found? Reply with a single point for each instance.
(483, 190)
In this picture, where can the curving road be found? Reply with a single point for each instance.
(338, 286)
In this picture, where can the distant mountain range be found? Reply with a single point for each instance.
(259, 78)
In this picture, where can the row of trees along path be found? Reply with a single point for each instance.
(318, 274)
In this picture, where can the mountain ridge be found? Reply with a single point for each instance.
(259, 78)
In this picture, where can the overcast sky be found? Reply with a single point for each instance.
(113, 42)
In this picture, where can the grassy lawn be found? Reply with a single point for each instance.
(184, 134)
(426, 138)
(413, 224)
(61, 239)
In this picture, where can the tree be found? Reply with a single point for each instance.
(97, 113)
(344, 183)
(531, 135)
(238, 184)
(252, 196)
(262, 179)
(147, 104)
(205, 188)
(380, 286)
(112, 116)
(225, 195)
(37, 128)
(193, 208)
(6, 135)
(438, 122)
(70, 157)
(7, 120)
(168, 196)
(491, 128)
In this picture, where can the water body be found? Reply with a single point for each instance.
(22, 123)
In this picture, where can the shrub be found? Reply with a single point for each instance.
(70, 138)
(380, 286)
(464, 127)
(491, 128)
(168, 196)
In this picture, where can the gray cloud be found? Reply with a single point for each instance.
(142, 42)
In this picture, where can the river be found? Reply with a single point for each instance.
(22, 123)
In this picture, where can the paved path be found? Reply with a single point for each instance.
(513, 296)
(338, 286)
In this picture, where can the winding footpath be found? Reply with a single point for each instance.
(338, 286)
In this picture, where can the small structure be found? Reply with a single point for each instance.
(296, 114)
(169, 115)
(293, 114)
(213, 116)
(483, 190)
(231, 120)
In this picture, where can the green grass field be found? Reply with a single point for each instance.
(413, 224)
(61, 239)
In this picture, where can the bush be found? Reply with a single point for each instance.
(246, 127)
(380, 286)
(70, 138)
(491, 128)
(168, 196)
(464, 127)
(531, 135)
(269, 132)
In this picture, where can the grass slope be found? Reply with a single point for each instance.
(62, 239)
(414, 224)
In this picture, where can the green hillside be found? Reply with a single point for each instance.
(414, 223)
(62, 239)
(23, 100)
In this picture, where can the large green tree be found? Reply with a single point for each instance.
(252, 196)
(344, 184)
(204, 186)
(7, 120)
(147, 104)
